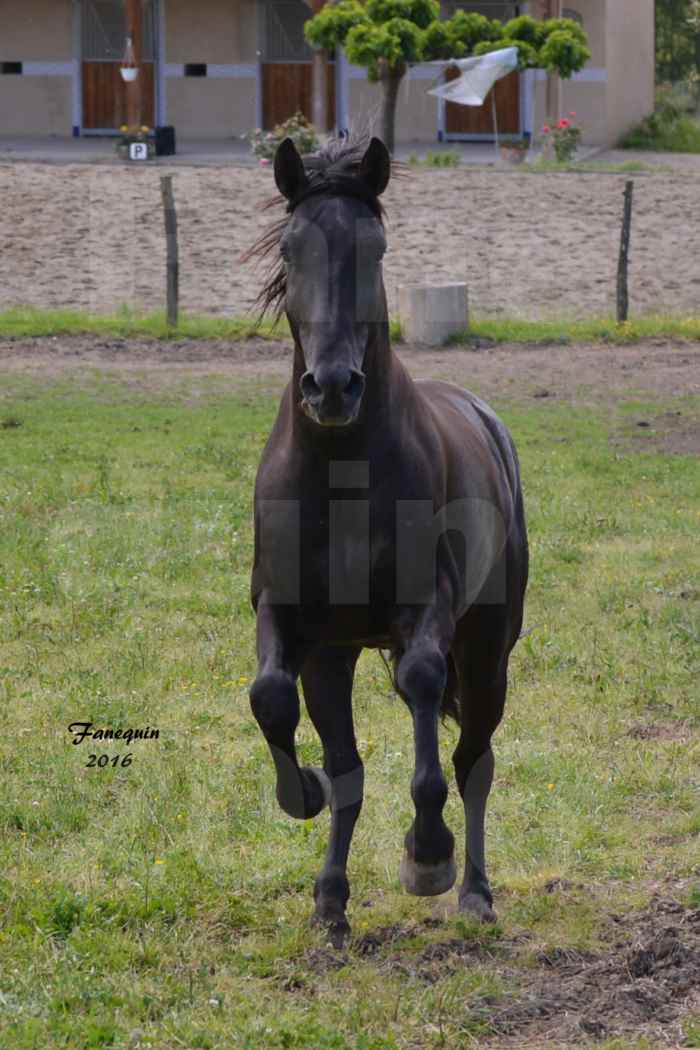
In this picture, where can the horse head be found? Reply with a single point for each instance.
(332, 248)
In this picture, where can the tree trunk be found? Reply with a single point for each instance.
(134, 16)
(553, 94)
(390, 79)
(319, 82)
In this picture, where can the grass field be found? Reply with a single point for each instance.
(164, 903)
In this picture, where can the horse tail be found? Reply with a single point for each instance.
(449, 705)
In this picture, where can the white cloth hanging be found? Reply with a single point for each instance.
(478, 75)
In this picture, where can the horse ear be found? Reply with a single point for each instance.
(289, 170)
(375, 166)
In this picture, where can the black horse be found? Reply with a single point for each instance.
(388, 515)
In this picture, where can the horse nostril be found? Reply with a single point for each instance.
(310, 389)
(355, 386)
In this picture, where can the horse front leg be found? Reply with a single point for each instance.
(302, 793)
(428, 866)
(327, 678)
(474, 764)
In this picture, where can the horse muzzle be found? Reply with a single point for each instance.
(332, 397)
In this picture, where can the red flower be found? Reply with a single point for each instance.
(564, 123)
(573, 114)
(546, 129)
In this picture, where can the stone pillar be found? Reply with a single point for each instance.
(431, 313)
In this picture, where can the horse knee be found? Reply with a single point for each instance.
(422, 675)
(274, 701)
(429, 789)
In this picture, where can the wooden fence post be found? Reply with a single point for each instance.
(623, 265)
(173, 264)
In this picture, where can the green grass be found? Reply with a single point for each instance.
(29, 322)
(595, 330)
(170, 898)
(436, 159)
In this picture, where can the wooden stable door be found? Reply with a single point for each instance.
(103, 42)
(478, 120)
(104, 96)
(286, 90)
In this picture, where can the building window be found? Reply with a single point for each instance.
(283, 31)
(195, 69)
(104, 30)
(11, 68)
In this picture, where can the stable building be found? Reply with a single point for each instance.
(223, 67)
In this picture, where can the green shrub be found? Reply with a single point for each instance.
(669, 128)
(303, 134)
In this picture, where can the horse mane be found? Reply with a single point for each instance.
(332, 170)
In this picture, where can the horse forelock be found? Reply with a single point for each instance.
(332, 172)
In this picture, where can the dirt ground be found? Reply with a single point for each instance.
(641, 982)
(528, 245)
(661, 375)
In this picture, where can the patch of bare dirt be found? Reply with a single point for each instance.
(677, 432)
(661, 731)
(642, 983)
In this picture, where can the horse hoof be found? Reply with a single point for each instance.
(477, 906)
(336, 929)
(427, 880)
(323, 782)
(305, 793)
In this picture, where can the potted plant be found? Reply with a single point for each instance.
(264, 143)
(137, 134)
(514, 150)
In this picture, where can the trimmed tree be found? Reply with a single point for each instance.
(386, 36)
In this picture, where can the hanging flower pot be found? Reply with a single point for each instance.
(128, 69)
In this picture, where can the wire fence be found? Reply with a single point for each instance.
(528, 246)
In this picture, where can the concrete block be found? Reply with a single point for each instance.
(431, 313)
